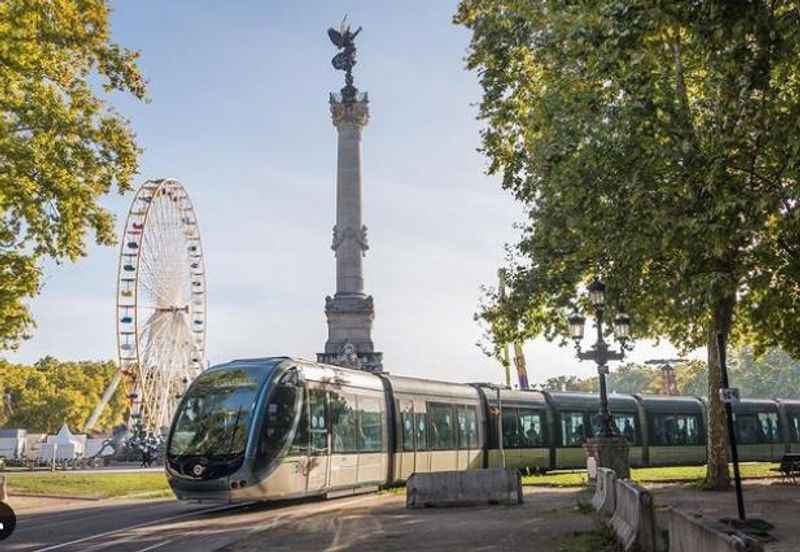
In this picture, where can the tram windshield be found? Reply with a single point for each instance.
(215, 417)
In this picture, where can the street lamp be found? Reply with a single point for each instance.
(600, 352)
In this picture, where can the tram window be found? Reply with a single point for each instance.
(757, 428)
(299, 445)
(472, 427)
(795, 428)
(748, 430)
(510, 428)
(278, 419)
(461, 428)
(626, 426)
(676, 429)
(530, 428)
(573, 432)
(407, 419)
(370, 424)
(214, 419)
(441, 427)
(769, 427)
(422, 430)
(343, 413)
(319, 421)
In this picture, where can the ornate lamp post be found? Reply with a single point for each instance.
(600, 352)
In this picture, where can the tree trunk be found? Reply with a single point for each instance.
(717, 474)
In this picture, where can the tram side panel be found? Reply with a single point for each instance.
(759, 430)
(576, 420)
(439, 427)
(339, 441)
(791, 418)
(526, 433)
(675, 430)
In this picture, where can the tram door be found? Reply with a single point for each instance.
(406, 461)
(319, 429)
(421, 439)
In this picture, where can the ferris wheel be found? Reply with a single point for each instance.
(161, 301)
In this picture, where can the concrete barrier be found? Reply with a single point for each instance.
(605, 491)
(634, 520)
(692, 533)
(464, 488)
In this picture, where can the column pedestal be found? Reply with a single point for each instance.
(607, 452)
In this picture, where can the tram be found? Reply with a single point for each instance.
(283, 428)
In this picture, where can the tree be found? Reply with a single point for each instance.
(43, 397)
(568, 383)
(655, 146)
(773, 374)
(61, 146)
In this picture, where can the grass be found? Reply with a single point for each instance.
(91, 485)
(672, 474)
(154, 485)
(598, 540)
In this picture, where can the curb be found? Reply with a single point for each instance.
(62, 497)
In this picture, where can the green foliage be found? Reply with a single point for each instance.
(61, 146)
(600, 539)
(654, 145)
(40, 398)
(570, 383)
(773, 375)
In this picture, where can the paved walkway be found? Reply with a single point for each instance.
(546, 519)
(773, 501)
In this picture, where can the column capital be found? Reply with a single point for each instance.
(349, 112)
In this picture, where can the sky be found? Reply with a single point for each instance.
(239, 113)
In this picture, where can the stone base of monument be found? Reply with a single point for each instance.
(607, 452)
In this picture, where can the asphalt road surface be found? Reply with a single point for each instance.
(163, 525)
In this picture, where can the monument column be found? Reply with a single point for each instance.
(350, 311)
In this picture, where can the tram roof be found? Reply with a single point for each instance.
(750, 406)
(565, 400)
(514, 397)
(790, 404)
(267, 363)
(670, 404)
(336, 375)
(431, 388)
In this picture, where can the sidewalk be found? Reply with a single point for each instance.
(773, 501)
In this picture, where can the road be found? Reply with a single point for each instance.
(163, 525)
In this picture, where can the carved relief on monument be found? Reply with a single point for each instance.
(350, 233)
(348, 357)
(355, 305)
(350, 113)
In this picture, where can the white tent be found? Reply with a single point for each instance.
(63, 445)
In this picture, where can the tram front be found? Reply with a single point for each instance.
(231, 429)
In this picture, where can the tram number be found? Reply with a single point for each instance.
(729, 395)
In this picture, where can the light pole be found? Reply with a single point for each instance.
(600, 352)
